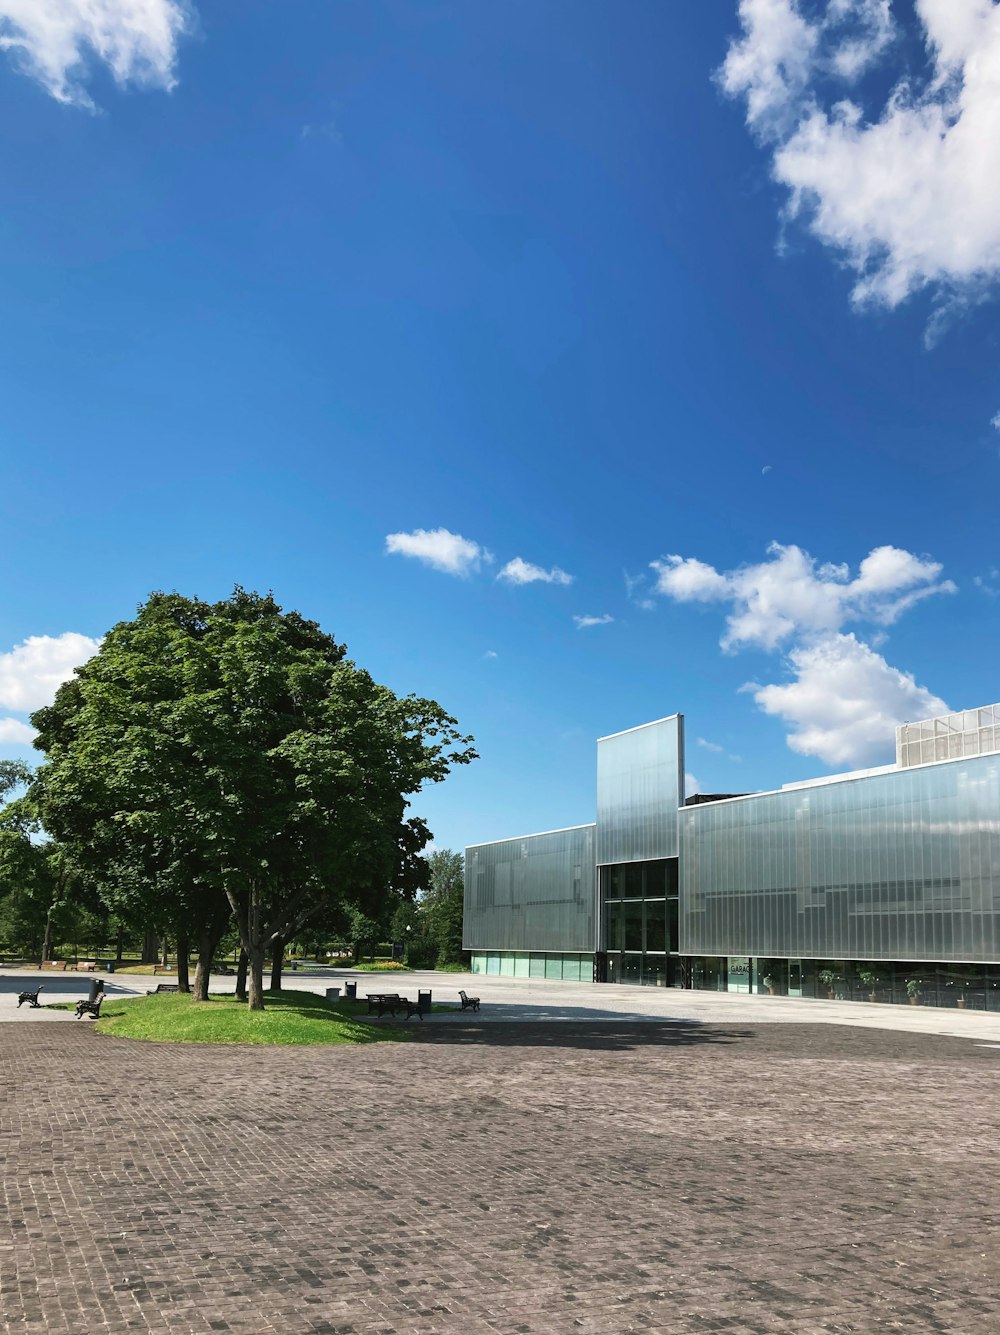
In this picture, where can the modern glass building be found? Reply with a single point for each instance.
(880, 885)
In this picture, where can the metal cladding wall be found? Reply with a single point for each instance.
(640, 785)
(535, 893)
(899, 866)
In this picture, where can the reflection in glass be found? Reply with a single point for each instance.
(893, 866)
(640, 785)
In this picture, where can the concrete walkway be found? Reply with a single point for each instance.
(540, 999)
(544, 999)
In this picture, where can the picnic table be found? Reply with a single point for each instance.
(393, 1002)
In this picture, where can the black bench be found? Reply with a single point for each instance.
(90, 1007)
(468, 1003)
(30, 997)
(393, 1002)
(163, 987)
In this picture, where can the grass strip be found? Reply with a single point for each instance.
(291, 1018)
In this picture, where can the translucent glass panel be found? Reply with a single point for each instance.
(567, 968)
(900, 866)
(970, 732)
(536, 893)
(640, 785)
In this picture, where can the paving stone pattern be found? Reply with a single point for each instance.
(492, 1178)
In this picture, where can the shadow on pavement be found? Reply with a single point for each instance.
(618, 1035)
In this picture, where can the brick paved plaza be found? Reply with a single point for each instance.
(570, 1177)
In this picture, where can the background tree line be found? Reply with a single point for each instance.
(221, 766)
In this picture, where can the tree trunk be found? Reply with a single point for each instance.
(248, 909)
(120, 944)
(277, 960)
(183, 977)
(208, 942)
(149, 944)
(47, 943)
(255, 992)
(241, 976)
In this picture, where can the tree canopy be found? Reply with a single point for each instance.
(228, 758)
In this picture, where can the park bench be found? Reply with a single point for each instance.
(90, 1007)
(86, 966)
(30, 997)
(393, 1002)
(163, 987)
(163, 968)
(468, 1003)
(54, 964)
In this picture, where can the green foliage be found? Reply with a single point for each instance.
(291, 1018)
(229, 754)
(443, 904)
(13, 774)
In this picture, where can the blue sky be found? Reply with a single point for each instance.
(617, 291)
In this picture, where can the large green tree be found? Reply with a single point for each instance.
(230, 754)
(39, 884)
(443, 904)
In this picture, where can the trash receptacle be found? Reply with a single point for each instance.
(110, 966)
(351, 991)
(333, 994)
(96, 987)
(424, 1002)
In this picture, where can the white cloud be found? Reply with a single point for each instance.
(491, 653)
(439, 549)
(582, 623)
(691, 785)
(15, 733)
(845, 701)
(52, 40)
(689, 580)
(906, 190)
(995, 421)
(842, 701)
(32, 672)
(789, 594)
(710, 746)
(518, 571)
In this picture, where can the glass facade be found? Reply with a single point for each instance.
(898, 866)
(881, 886)
(640, 922)
(510, 964)
(969, 732)
(895, 982)
(640, 785)
(532, 894)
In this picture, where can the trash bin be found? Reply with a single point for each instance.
(424, 1002)
(96, 987)
(110, 966)
(333, 994)
(351, 991)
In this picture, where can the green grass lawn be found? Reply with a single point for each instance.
(290, 1018)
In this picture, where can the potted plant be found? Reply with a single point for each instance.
(913, 991)
(869, 979)
(828, 977)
